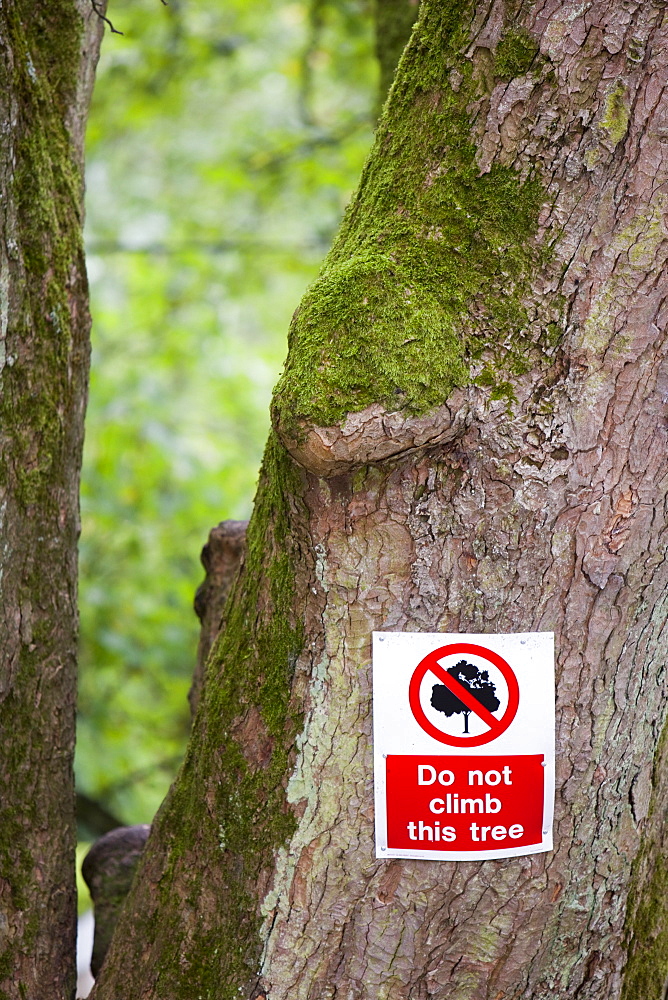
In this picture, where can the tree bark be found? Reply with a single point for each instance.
(48, 52)
(221, 557)
(469, 436)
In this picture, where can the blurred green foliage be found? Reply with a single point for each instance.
(224, 142)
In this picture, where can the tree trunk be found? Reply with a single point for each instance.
(48, 51)
(470, 436)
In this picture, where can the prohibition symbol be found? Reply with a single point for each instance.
(465, 697)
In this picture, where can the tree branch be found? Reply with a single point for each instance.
(96, 7)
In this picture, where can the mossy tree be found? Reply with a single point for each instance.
(469, 436)
(48, 51)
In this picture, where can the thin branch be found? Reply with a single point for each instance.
(94, 816)
(168, 764)
(280, 157)
(95, 4)
(305, 95)
(104, 248)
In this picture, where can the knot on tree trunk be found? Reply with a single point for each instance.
(108, 870)
(221, 557)
(373, 435)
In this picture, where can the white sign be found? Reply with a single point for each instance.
(463, 729)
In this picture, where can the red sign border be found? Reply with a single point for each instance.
(454, 648)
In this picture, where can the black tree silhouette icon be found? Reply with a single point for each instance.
(475, 681)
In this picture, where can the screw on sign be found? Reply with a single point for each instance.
(464, 689)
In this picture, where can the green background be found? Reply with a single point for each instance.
(224, 142)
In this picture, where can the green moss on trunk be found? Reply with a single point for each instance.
(45, 41)
(647, 968)
(615, 121)
(646, 972)
(428, 272)
(433, 259)
(515, 54)
(43, 375)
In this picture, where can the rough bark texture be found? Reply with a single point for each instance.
(470, 435)
(221, 558)
(48, 52)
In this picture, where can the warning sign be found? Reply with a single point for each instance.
(465, 690)
(463, 744)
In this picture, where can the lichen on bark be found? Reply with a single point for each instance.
(615, 120)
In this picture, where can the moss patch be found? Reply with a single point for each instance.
(615, 119)
(646, 927)
(647, 967)
(432, 262)
(389, 335)
(45, 41)
(515, 54)
(43, 373)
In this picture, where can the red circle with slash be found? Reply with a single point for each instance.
(496, 726)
